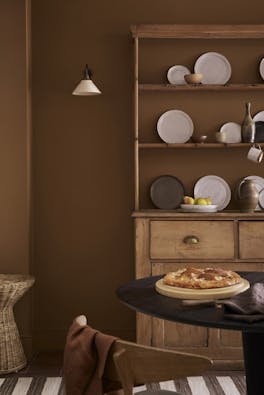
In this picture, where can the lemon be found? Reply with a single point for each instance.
(201, 201)
(188, 200)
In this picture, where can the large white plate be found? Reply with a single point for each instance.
(259, 182)
(232, 132)
(215, 68)
(175, 126)
(261, 68)
(214, 187)
(213, 293)
(259, 116)
(198, 208)
(176, 74)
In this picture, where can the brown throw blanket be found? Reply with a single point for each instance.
(85, 355)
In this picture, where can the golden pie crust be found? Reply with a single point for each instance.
(201, 278)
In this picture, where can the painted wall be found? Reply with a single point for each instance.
(14, 153)
(83, 153)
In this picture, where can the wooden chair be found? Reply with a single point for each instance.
(130, 364)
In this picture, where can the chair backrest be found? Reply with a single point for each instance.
(129, 364)
(134, 364)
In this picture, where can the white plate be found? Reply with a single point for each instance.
(261, 68)
(232, 132)
(176, 75)
(214, 187)
(175, 126)
(259, 182)
(212, 293)
(261, 199)
(215, 68)
(259, 116)
(198, 208)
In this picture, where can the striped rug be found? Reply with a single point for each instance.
(199, 385)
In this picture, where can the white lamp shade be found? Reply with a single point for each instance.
(86, 88)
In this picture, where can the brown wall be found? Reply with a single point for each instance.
(83, 163)
(14, 152)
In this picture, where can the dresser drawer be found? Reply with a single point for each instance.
(191, 240)
(251, 239)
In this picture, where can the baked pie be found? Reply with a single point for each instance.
(201, 278)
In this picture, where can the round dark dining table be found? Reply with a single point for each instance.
(141, 296)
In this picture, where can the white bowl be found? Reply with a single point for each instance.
(199, 208)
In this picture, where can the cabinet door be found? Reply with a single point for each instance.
(175, 335)
(191, 240)
(230, 338)
(251, 239)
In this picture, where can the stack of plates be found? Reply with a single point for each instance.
(214, 67)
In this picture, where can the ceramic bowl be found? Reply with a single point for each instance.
(220, 137)
(199, 139)
(194, 78)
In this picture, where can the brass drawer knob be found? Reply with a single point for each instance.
(191, 239)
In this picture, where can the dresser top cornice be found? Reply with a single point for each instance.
(198, 31)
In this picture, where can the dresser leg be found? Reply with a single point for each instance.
(253, 348)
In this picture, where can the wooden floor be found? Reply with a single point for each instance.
(49, 364)
(42, 364)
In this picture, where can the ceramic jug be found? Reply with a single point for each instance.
(247, 195)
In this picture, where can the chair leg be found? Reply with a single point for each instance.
(124, 371)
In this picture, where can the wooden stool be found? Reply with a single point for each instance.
(12, 288)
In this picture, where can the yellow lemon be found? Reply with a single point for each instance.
(201, 201)
(208, 200)
(188, 200)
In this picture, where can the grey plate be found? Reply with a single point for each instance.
(167, 192)
(259, 137)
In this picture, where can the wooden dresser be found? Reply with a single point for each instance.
(166, 241)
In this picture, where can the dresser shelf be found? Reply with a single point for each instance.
(200, 87)
(224, 214)
(194, 145)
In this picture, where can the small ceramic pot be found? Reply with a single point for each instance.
(194, 78)
(199, 139)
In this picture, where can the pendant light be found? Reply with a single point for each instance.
(86, 87)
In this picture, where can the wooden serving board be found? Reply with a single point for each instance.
(211, 294)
